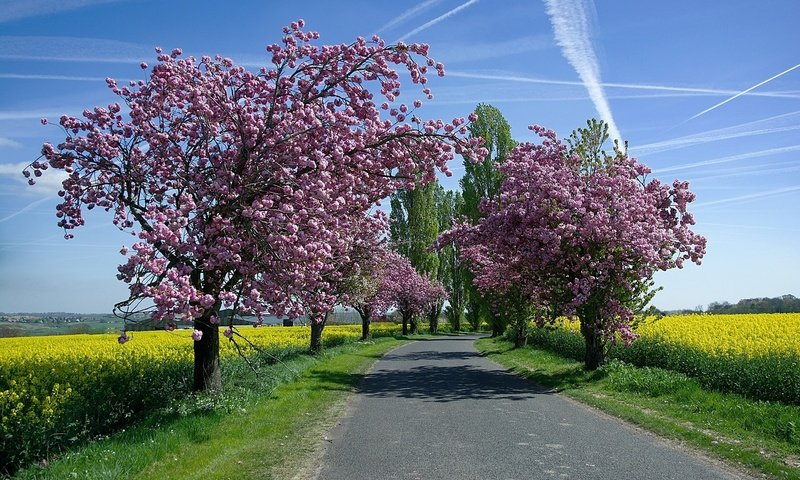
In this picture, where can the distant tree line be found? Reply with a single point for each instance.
(782, 304)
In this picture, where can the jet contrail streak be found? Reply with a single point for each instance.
(743, 92)
(437, 20)
(571, 28)
(25, 208)
(631, 86)
(752, 196)
(732, 158)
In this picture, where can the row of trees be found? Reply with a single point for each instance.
(255, 192)
(782, 304)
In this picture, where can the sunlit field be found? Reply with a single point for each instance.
(757, 355)
(66, 388)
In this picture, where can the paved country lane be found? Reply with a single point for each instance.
(435, 409)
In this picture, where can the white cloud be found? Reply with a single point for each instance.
(73, 49)
(48, 184)
(7, 142)
(23, 76)
(18, 9)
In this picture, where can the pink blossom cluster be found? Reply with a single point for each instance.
(244, 188)
(403, 288)
(577, 240)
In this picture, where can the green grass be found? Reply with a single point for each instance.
(760, 436)
(265, 426)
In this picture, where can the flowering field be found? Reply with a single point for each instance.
(756, 355)
(60, 389)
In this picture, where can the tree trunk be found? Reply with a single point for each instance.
(595, 346)
(457, 321)
(521, 337)
(317, 324)
(207, 376)
(365, 321)
(414, 325)
(406, 317)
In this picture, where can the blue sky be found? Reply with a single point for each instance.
(703, 91)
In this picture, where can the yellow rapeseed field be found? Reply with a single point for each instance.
(749, 335)
(80, 385)
(757, 355)
(730, 335)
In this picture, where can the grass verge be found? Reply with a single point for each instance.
(263, 426)
(761, 436)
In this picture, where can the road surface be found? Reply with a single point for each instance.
(435, 409)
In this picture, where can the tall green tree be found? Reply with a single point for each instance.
(456, 280)
(482, 180)
(414, 228)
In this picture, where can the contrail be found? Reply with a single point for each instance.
(752, 196)
(26, 208)
(632, 86)
(571, 27)
(410, 13)
(749, 172)
(437, 20)
(763, 126)
(743, 92)
(732, 158)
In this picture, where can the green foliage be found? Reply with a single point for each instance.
(482, 180)
(415, 226)
(782, 304)
(452, 275)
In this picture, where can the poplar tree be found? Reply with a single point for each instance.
(482, 180)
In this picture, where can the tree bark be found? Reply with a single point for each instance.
(595, 346)
(207, 375)
(521, 337)
(405, 322)
(414, 325)
(365, 322)
(317, 325)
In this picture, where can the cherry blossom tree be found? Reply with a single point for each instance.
(238, 185)
(362, 270)
(579, 235)
(408, 291)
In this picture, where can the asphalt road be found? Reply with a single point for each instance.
(435, 409)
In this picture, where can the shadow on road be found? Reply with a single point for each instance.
(431, 355)
(448, 383)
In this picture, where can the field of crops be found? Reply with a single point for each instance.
(56, 390)
(755, 355)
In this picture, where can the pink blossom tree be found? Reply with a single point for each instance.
(409, 292)
(240, 186)
(580, 233)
